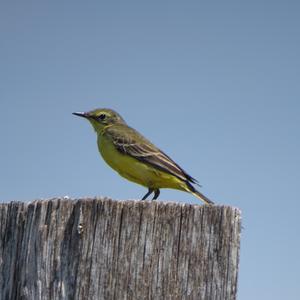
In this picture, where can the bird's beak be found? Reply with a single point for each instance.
(81, 114)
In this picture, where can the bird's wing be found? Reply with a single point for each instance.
(129, 141)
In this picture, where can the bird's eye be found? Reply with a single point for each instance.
(102, 117)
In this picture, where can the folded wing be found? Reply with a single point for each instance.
(129, 141)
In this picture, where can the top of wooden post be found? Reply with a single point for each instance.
(104, 249)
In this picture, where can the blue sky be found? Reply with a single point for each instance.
(215, 85)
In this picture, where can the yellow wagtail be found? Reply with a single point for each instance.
(136, 158)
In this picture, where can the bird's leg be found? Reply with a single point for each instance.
(156, 194)
(150, 191)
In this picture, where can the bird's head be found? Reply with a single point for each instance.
(101, 117)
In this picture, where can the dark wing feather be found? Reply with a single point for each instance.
(129, 141)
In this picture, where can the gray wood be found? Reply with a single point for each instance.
(104, 249)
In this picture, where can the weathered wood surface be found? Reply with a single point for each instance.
(104, 249)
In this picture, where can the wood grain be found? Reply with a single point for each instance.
(104, 249)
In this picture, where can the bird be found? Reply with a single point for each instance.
(135, 158)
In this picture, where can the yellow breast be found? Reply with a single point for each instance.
(134, 170)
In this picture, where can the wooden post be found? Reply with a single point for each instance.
(104, 249)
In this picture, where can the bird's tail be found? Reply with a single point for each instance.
(199, 195)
